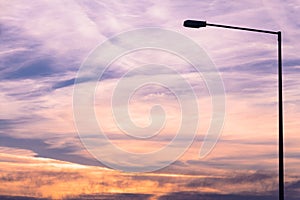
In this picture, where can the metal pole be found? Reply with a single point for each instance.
(280, 104)
(242, 28)
(199, 24)
(280, 118)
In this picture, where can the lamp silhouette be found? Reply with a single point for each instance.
(199, 24)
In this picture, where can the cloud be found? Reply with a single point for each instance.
(65, 83)
(8, 197)
(39, 68)
(124, 196)
(57, 179)
(10, 123)
(42, 148)
(195, 196)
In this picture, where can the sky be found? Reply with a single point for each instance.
(53, 92)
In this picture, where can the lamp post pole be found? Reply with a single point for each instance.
(199, 24)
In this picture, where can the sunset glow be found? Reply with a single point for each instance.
(44, 47)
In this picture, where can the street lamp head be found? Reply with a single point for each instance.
(194, 24)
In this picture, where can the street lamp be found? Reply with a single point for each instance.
(199, 24)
